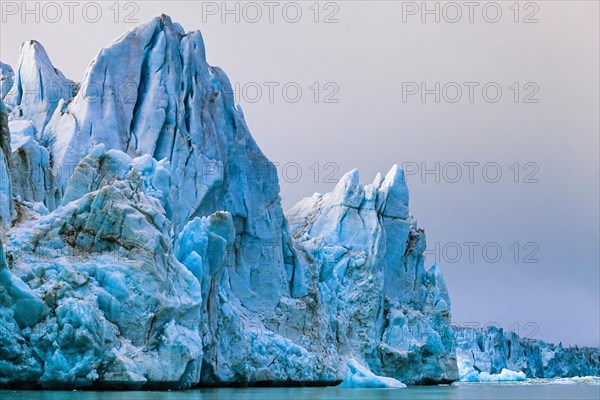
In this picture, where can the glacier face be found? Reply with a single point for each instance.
(144, 242)
(360, 259)
(493, 350)
(148, 245)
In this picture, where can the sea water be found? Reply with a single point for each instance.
(558, 389)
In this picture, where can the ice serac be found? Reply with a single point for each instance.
(93, 294)
(161, 99)
(361, 264)
(493, 350)
(7, 210)
(37, 87)
(7, 76)
(34, 183)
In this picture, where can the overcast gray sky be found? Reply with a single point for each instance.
(362, 68)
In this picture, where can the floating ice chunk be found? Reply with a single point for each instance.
(468, 373)
(506, 375)
(359, 376)
(577, 380)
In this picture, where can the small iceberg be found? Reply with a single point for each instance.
(576, 380)
(506, 375)
(359, 376)
(468, 373)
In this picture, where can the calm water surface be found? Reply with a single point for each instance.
(462, 391)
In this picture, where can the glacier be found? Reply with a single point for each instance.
(360, 257)
(492, 350)
(144, 244)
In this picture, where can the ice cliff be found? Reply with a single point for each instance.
(360, 261)
(144, 243)
(495, 351)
